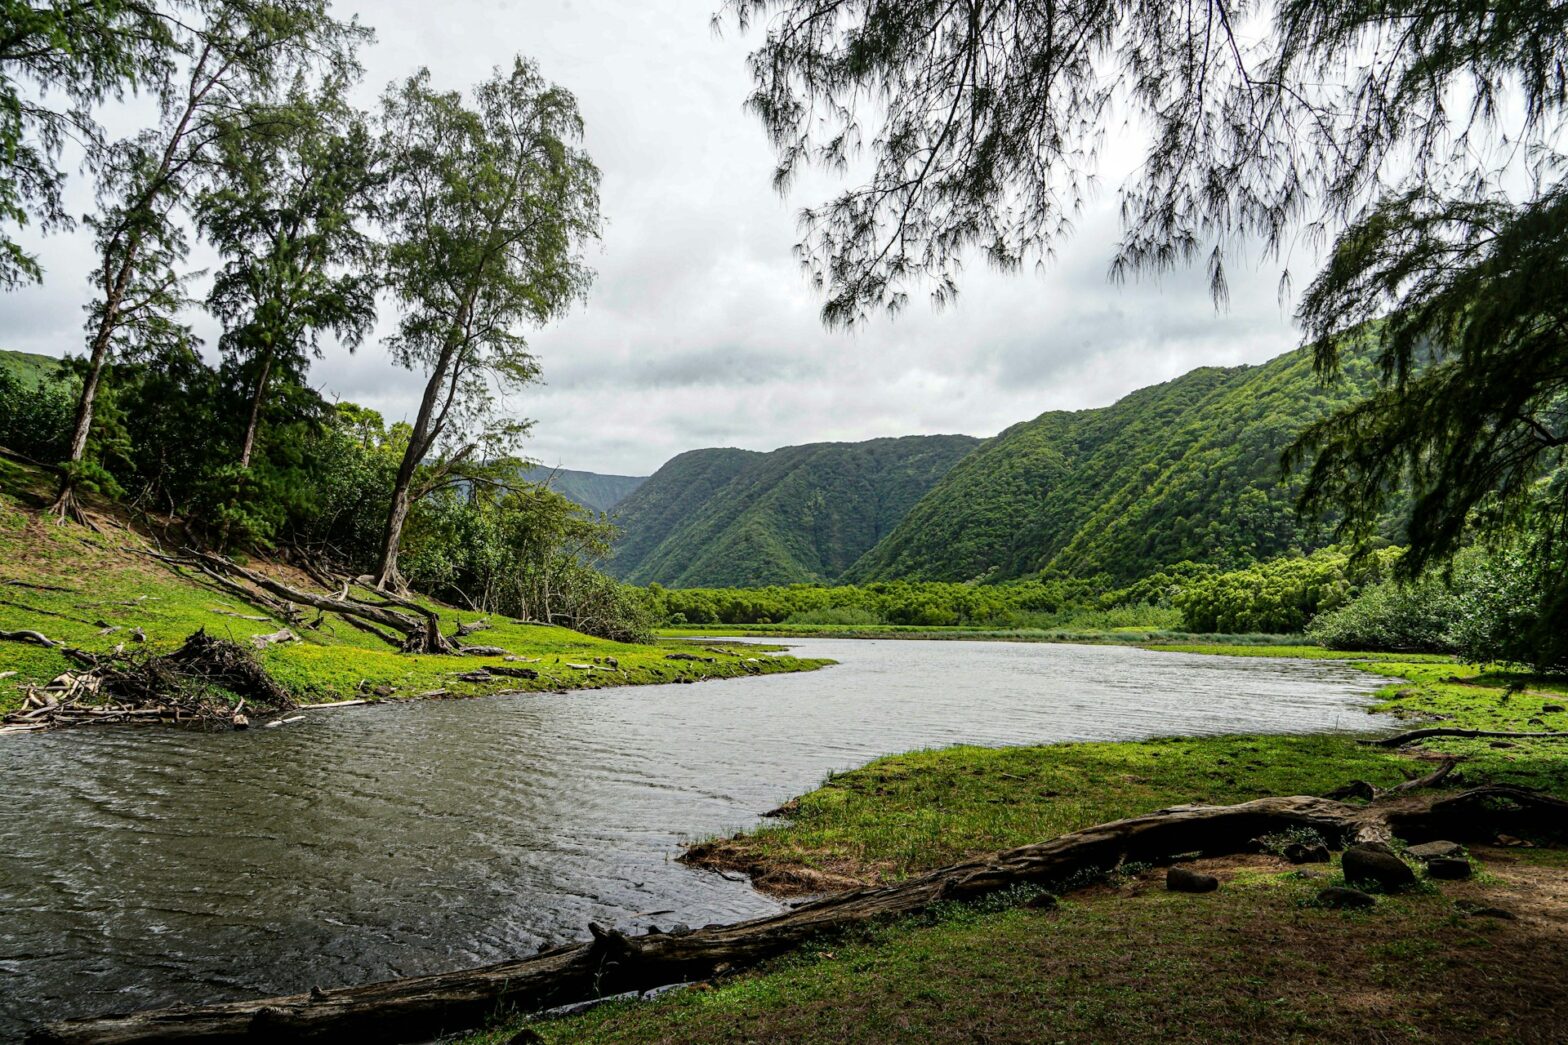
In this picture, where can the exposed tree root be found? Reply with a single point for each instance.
(416, 632)
(1401, 739)
(426, 1006)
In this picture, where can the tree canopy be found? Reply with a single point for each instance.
(487, 214)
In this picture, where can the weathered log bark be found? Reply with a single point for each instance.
(612, 963)
(33, 637)
(1401, 739)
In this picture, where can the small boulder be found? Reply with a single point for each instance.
(1339, 898)
(1552, 707)
(1182, 880)
(1434, 850)
(1304, 853)
(1448, 868)
(1364, 864)
(524, 1036)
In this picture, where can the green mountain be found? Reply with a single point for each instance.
(1189, 469)
(28, 366)
(589, 489)
(726, 517)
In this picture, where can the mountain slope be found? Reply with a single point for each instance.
(28, 366)
(589, 489)
(802, 513)
(1188, 469)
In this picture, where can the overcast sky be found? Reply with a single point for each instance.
(700, 330)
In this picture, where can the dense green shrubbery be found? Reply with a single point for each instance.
(1279, 596)
(1035, 604)
(35, 417)
(1492, 604)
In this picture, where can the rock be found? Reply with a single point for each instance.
(612, 662)
(1339, 898)
(1302, 853)
(1448, 868)
(1042, 902)
(1553, 707)
(1364, 864)
(1433, 850)
(384, 690)
(1491, 912)
(524, 1036)
(1183, 880)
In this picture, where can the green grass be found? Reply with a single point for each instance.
(104, 582)
(1252, 962)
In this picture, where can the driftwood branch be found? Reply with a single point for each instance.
(1401, 739)
(28, 636)
(612, 962)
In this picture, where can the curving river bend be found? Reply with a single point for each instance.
(143, 867)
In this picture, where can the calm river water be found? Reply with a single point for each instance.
(144, 867)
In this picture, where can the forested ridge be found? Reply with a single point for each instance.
(799, 514)
(590, 489)
(1185, 470)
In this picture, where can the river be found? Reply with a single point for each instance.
(150, 866)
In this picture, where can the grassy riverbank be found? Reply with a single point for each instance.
(1127, 960)
(94, 590)
(909, 813)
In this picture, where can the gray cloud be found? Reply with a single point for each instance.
(700, 330)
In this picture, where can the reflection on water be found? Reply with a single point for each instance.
(145, 867)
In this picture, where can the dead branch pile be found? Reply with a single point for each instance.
(196, 683)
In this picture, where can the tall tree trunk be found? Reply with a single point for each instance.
(255, 411)
(114, 295)
(387, 576)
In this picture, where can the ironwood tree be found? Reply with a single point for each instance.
(231, 55)
(489, 208)
(57, 61)
(1421, 140)
(292, 188)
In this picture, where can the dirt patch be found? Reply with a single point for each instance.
(780, 878)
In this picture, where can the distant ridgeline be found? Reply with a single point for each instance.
(589, 489)
(1186, 470)
(731, 518)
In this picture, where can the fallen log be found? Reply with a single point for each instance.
(423, 1007)
(28, 636)
(1401, 739)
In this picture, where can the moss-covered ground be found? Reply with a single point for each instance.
(93, 589)
(1256, 961)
